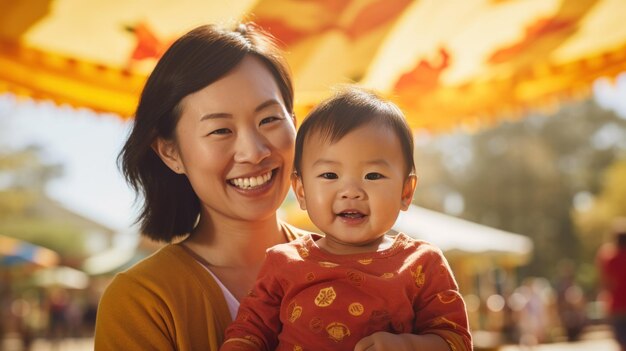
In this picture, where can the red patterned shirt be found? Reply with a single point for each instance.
(308, 299)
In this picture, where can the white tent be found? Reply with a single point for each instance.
(458, 237)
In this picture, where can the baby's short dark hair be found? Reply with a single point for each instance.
(348, 110)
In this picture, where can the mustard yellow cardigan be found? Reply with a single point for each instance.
(168, 301)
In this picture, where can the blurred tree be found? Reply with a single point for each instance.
(23, 177)
(594, 221)
(14, 198)
(524, 176)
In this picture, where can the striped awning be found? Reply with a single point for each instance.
(447, 63)
(15, 252)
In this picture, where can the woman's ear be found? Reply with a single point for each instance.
(167, 150)
(407, 191)
(298, 189)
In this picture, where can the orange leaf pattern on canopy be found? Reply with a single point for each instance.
(448, 64)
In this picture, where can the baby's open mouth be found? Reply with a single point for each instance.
(351, 214)
(252, 182)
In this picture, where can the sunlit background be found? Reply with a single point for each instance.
(519, 116)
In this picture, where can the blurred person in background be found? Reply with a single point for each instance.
(611, 261)
(89, 313)
(533, 319)
(58, 301)
(211, 153)
(570, 301)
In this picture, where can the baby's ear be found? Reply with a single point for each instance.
(407, 191)
(298, 189)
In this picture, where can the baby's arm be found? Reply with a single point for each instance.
(439, 307)
(441, 322)
(257, 324)
(381, 341)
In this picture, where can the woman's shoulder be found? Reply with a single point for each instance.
(169, 266)
(168, 258)
(150, 300)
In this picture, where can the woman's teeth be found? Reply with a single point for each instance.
(251, 182)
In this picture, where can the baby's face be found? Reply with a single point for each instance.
(354, 188)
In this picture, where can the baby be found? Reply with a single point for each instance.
(355, 287)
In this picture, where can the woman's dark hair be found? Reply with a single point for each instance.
(348, 110)
(197, 59)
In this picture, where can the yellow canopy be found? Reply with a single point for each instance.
(445, 62)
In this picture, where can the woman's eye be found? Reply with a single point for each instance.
(374, 176)
(220, 131)
(328, 175)
(267, 120)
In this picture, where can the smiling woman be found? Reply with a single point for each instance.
(224, 139)
(211, 151)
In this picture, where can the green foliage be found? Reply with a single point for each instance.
(22, 204)
(594, 223)
(523, 177)
(13, 202)
(613, 192)
(59, 236)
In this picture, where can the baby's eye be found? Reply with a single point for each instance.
(270, 119)
(328, 175)
(374, 176)
(220, 131)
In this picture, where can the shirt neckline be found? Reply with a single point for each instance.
(309, 243)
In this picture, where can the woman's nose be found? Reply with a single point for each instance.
(252, 148)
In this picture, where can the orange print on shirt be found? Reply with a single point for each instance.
(310, 277)
(337, 331)
(356, 309)
(296, 311)
(365, 262)
(452, 347)
(325, 297)
(420, 277)
(446, 297)
(443, 320)
(316, 325)
(355, 277)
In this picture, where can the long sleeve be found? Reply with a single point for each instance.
(439, 306)
(258, 321)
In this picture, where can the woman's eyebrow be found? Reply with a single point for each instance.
(266, 104)
(209, 116)
(263, 105)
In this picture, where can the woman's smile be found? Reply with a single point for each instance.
(254, 185)
(253, 182)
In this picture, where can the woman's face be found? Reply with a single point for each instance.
(235, 143)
